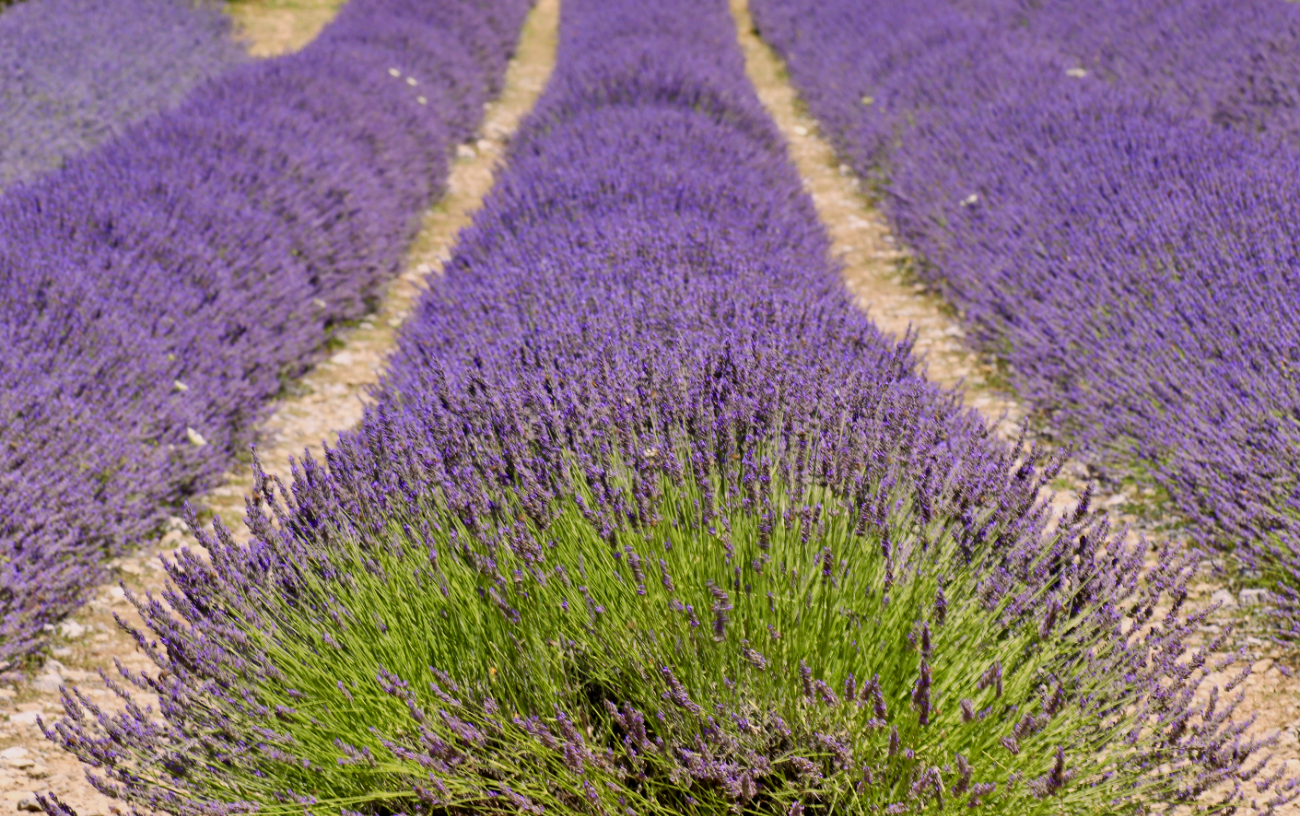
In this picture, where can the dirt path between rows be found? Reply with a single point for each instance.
(874, 267)
(275, 27)
(327, 400)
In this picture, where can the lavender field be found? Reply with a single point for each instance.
(1120, 232)
(645, 514)
(74, 73)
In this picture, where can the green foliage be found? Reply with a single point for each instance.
(427, 633)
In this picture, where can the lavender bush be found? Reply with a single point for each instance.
(648, 518)
(1132, 263)
(74, 73)
(155, 293)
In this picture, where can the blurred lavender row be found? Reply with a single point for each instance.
(1135, 264)
(74, 73)
(641, 346)
(155, 293)
(1233, 62)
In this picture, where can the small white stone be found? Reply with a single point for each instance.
(196, 439)
(20, 762)
(30, 804)
(71, 630)
(61, 651)
(25, 718)
(800, 130)
(48, 683)
(465, 151)
(16, 752)
(180, 386)
(1224, 598)
(1253, 597)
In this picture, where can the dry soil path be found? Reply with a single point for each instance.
(275, 27)
(328, 399)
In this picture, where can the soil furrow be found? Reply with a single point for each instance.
(275, 27)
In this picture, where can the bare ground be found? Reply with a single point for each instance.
(275, 27)
(327, 400)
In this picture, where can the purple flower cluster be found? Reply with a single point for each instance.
(74, 73)
(155, 293)
(641, 360)
(1134, 262)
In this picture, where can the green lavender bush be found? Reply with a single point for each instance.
(793, 651)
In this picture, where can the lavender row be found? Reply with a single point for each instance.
(1232, 62)
(1134, 266)
(74, 73)
(648, 517)
(156, 293)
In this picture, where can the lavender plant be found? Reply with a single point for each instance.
(155, 293)
(1125, 255)
(648, 517)
(75, 73)
(743, 647)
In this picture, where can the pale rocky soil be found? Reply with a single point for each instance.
(332, 397)
(275, 27)
(875, 269)
(325, 401)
